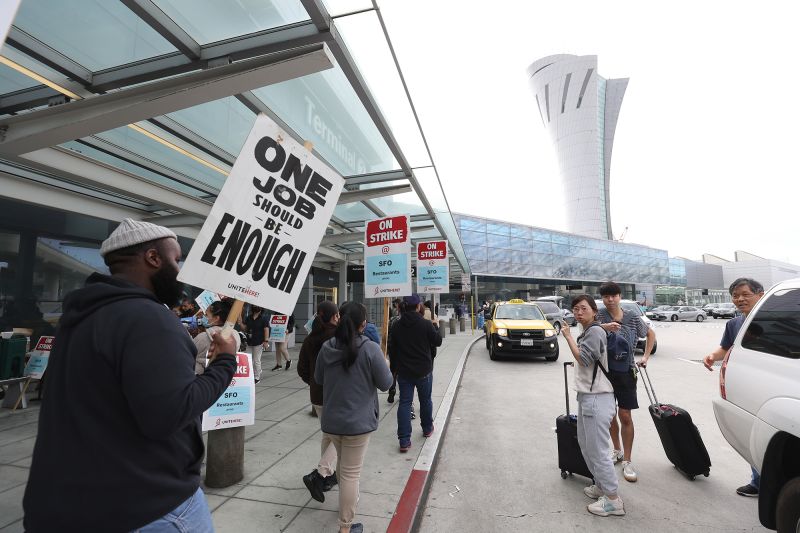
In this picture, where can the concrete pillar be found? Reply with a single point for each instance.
(442, 328)
(225, 457)
(462, 324)
(453, 326)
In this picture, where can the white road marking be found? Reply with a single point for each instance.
(689, 361)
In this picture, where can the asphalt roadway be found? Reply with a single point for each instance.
(498, 466)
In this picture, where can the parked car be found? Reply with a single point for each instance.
(709, 308)
(553, 313)
(758, 410)
(650, 313)
(680, 312)
(569, 317)
(630, 305)
(725, 310)
(518, 327)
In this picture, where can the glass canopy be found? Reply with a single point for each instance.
(356, 114)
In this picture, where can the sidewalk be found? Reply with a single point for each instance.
(282, 446)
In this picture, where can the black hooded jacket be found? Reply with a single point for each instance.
(412, 340)
(119, 442)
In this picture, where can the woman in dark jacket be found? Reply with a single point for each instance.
(322, 478)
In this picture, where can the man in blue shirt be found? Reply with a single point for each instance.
(745, 292)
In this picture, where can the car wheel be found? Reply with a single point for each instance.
(787, 509)
(492, 355)
(674, 318)
(557, 327)
(700, 318)
(488, 345)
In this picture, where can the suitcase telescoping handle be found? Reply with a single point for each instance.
(648, 386)
(566, 386)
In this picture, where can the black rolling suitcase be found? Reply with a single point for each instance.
(570, 459)
(679, 436)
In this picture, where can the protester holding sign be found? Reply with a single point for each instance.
(285, 324)
(257, 327)
(349, 368)
(214, 319)
(119, 444)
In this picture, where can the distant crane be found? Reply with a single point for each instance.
(622, 236)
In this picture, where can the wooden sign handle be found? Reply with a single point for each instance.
(230, 322)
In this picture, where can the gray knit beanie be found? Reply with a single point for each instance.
(131, 232)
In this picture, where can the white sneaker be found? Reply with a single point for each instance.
(605, 506)
(616, 456)
(592, 491)
(628, 472)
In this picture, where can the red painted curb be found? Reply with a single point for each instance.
(410, 500)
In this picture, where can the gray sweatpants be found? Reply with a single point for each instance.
(595, 412)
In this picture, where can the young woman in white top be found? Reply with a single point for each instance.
(596, 406)
(215, 316)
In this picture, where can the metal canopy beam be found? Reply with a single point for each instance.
(165, 26)
(348, 197)
(52, 58)
(322, 250)
(302, 34)
(376, 177)
(53, 126)
(319, 15)
(177, 220)
(79, 169)
(26, 99)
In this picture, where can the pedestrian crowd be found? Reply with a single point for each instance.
(125, 453)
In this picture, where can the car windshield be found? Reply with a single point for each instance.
(519, 312)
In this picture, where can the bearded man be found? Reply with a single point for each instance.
(119, 445)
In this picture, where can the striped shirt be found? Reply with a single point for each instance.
(632, 326)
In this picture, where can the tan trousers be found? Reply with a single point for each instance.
(327, 457)
(351, 450)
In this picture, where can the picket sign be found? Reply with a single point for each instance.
(37, 364)
(265, 227)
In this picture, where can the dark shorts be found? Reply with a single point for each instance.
(625, 389)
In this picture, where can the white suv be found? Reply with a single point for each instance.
(759, 408)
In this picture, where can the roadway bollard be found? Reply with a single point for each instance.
(462, 324)
(442, 329)
(453, 325)
(225, 457)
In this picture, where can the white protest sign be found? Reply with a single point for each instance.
(433, 267)
(262, 234)
(466, 283)
(277, 327)
(205, 299)
(237, 405)
(387, 258)
(40, 356)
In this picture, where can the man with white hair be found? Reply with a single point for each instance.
(119, 445)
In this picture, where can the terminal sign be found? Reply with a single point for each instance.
(433, 273)
(387, 268)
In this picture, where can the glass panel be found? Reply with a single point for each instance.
(498, 241)
(431, 188)
(542, 235)
(324, 109)
(520, 244)
(94, 33)
(146, 147)
(11, 80)
(497, 227)
(475, 253)
(224, 122)
(9, 276)
(353, 212)
(522, 232)
(542, 247)
(367, 44)
(472, 224)
(121, 164)
(518, 256)
(561, 249)
(560, 238)
(496, 267)
(499, 254)
(208, 21)
(473, 238)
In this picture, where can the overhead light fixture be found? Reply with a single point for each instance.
(41, 79)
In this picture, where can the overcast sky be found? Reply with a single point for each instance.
(705, 154)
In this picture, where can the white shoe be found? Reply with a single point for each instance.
(605, 506)
(592, 491)
(628, 472)
(616, 456)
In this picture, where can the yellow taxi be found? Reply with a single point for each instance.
(517, 327)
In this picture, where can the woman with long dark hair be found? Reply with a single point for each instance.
(323, 477)
(350, 367)
(257, 327)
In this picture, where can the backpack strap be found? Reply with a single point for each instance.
(597, 364)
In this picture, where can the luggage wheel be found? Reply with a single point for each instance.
(564, 474)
